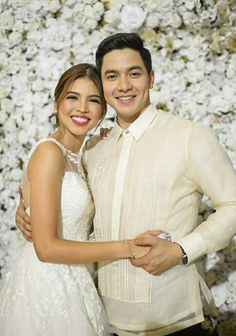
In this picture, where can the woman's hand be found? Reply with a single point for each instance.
(104, 132)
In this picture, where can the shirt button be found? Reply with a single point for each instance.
(126, 131)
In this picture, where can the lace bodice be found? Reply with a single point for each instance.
(77, 208)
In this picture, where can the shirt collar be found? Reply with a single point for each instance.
(138, 127)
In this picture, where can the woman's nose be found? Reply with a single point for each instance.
(82, 107)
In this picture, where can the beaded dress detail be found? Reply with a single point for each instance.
(46, 299)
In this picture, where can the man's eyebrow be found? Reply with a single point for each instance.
(134, 67)
(109, 71)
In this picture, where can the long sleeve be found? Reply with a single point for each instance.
(213, 173)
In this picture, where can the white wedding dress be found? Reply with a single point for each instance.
(45, 299)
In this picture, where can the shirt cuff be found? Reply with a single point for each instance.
(193, 245)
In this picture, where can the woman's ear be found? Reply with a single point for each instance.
(55, 112)
(55, 109)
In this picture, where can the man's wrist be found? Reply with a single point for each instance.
(183, 256)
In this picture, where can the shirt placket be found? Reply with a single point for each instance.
(127, 139)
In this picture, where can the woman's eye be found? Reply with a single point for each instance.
(95, 101)
(72, 97)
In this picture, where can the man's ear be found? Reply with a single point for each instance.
(151, 78)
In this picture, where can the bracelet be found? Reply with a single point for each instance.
(131, 255)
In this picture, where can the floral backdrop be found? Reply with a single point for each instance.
(193, 44)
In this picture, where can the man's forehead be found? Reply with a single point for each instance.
(122, 59)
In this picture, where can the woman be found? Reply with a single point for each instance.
(40, 297)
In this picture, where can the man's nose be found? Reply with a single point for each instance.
(124, 84)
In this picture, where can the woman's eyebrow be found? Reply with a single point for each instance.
(73, 92)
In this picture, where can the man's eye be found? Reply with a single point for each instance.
(135, 74)
(111, 76)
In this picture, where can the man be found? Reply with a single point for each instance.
(150, 173)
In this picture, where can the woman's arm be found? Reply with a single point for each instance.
(45, 173)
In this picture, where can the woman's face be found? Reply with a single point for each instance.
(81, 109)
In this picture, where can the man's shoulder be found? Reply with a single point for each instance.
(96, 143)
(92, 142)
(179, 123)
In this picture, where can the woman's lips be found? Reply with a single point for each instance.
(80, 121)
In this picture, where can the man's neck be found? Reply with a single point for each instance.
(126, 123)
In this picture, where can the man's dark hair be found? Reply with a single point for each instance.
(122, 41)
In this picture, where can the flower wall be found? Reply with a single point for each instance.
(193, 46)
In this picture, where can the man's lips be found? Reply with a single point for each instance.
(125, 99)
(80, 120)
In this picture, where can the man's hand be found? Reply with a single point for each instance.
(162, 256)
(23, 220)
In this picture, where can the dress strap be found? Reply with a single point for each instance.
(73, 159)
(63, 148)
(41, 141)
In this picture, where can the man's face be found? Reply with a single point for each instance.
(126, 84)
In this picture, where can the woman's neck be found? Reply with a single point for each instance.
(70, 141)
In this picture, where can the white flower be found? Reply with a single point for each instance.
(87, 15)
(49, 67)
(231, 142)
(161, 6)
(23, 16)
(19, 82)
(6, 19)
(14, 39)
(21, 2)
(6, 107)
(16, 174)
(40, 99)
(5, 86)
(231, 69)
(23, 136)
(38, 84)
(132, 16)
(232, 278)
(98, 10)
(71, 2)
(67, 13)
(219, 293)
(175, 20)
(190, 18)
(57, 35)
(54, 5)
(153, 20)
(79, 39)
(31, 51)
(34, 36)
(211, 260)
(189, 4)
